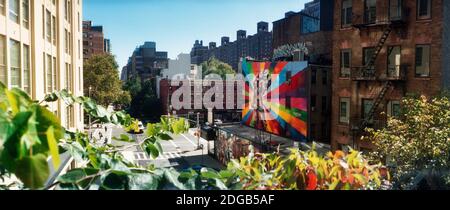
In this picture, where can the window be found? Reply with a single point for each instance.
(26, 13)
(324, 77)
(14, 10)
(55, 80)
(344, 110)
(79, 49)
(346, 57)
(367, 57)
(2, 7)
(324, 104)
(43, 23)
(313, 76)
(370, 11)
(69, 117)
(69, 76)
(395, 9)
(423, 60)
(66, 9)
(48, 25)
(49, 77)
(313, 102)
(26, 69)
(15, 63)
(423, 9)
(54, 30)
(394, 59)
(367, 105)
(66, 41)
(70, 11)
(313, 132)
(80, 79)
(3, 60)
(70, 43)
(393, 108)
(79, 22)
(346, 13)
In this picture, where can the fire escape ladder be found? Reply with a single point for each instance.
(376, 104)
(369, 67)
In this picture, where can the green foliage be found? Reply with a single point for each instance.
(29, 132)
(215, 66)
(304, 171)
(102, 75)
(416, 145)
(145, 102)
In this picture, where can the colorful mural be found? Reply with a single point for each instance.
(276, 98)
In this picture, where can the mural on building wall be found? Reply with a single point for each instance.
(276, 98)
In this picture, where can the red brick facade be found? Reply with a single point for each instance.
(93, 40)
(407, 34)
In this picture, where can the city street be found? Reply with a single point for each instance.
(179, 153)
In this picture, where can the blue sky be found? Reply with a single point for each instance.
(175, 24)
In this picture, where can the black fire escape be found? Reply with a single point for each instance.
(368, 72)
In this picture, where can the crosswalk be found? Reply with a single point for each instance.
(139, 156)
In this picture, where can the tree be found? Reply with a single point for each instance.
(102, 75)
(416, 145)
(145, 103)
(133, 85)
(215, 66)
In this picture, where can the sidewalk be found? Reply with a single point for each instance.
(200, 156)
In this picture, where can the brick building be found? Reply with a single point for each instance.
(311, 27)
(383, 50)
(257, 46)
(231, 110)
(93, 40)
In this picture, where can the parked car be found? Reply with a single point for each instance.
(141, 127)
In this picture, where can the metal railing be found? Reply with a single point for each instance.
(393, 73)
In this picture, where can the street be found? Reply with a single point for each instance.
(179, 153)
